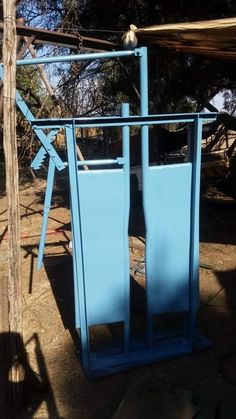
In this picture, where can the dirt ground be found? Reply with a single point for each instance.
(48, 315)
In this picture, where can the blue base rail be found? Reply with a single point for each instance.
(111, 361)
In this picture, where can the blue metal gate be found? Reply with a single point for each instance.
(100, 206)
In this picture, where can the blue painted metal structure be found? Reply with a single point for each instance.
(100, 207)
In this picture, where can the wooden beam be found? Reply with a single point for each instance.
(25, 47)
(66, 40)
(12, 192)
(44, 77)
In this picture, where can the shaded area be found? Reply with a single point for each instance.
(60, 274)
(217, 221)
(32, 388)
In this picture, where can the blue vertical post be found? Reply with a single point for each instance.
(195, 154)
(46, 210)
(126, 168)
(144, 129)
(190, 142)
(75, 275)
(78, 263)
(145, 168)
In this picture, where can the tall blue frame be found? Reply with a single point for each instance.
(100, 206)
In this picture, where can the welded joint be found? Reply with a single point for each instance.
(120, 160)
(138, 52)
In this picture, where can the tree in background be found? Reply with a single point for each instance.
(178, 82)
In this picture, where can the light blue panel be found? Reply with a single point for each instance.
(104, 229)
(168, 237)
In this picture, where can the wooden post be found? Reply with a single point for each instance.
(12, 192)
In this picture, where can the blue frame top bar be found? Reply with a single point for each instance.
(121, 121)
(80, 57)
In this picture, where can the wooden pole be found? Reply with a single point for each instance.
(44, 78)
(12, 192)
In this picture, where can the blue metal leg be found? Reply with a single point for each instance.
(75, 282)
(145, 167)
(77, 244)
(126, 156)
(195, 154)
(46, 210)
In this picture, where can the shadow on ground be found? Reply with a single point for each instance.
(22, 399)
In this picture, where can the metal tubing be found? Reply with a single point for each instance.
(145, 167)
(46, 210)
(78, 57)
(126, 157)
(190, 139)
(119, 161)
(77, 243)
(120, 121)
(195, 154)
(143, 82)
(102, 162)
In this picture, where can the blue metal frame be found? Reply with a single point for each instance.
(118, 121)
(100, 207)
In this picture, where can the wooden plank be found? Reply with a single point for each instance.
(12, 192)
(66, 40)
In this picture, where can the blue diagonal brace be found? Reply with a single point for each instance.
(39, 158)
(42, 152)
(44, 139)
(48, 148)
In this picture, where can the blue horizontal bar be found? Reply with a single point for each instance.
(119, 160)
(103, 162)
(125, 121)
(78, 57)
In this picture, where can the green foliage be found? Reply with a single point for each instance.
(29, 85)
